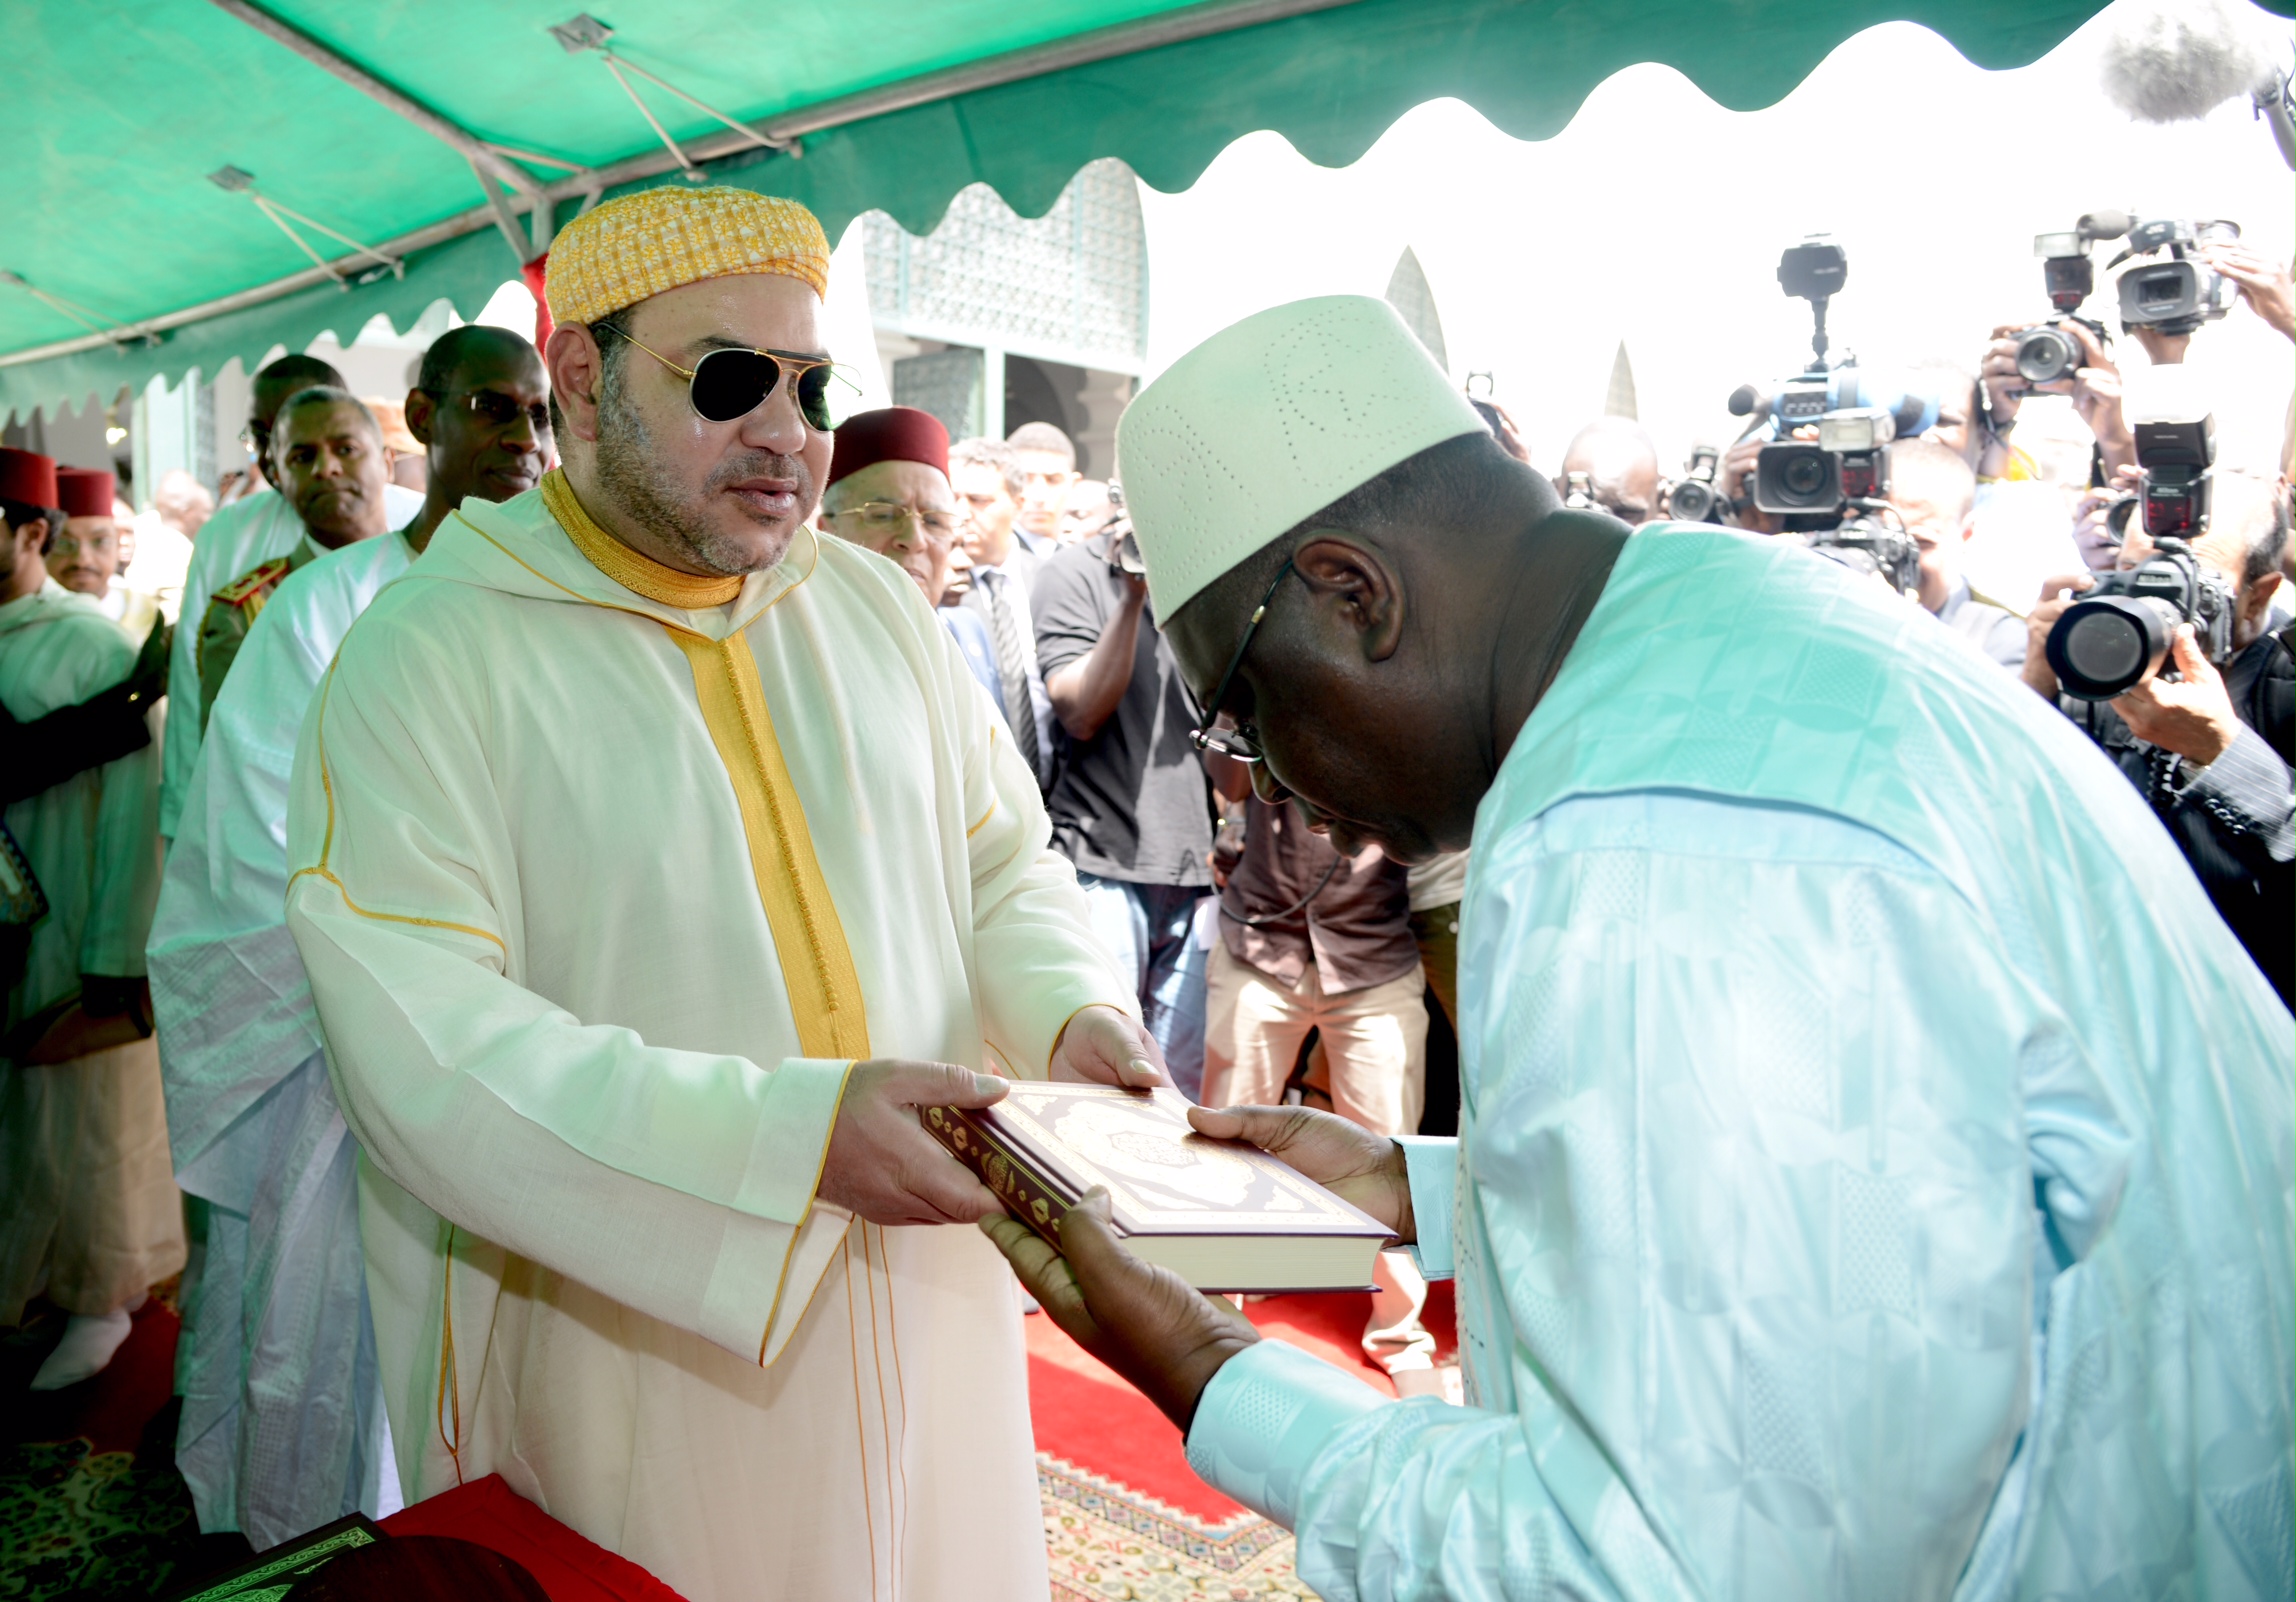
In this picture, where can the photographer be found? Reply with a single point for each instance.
(1130, 804)
(1934, 492)
(1612, 466)
(2210, 749)
(2095, 388)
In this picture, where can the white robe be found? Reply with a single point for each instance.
(1875, 1169)
(86, 1206)
(598, 897)
(282, 1424)
(240, 536)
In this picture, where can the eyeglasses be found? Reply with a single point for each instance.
(495, 410)
(881, 518)
(728, 384)
(1239, 744)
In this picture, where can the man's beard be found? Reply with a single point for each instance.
(629, 474)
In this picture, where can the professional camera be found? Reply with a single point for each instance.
(2177, 295)
(1692, 498)
(2048, 351)
(2117, 634)
(1856, 413)
(1866, 543)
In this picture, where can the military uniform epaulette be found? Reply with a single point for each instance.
(254, 584)
(230, 616)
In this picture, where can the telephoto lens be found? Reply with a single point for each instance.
(2106, 645)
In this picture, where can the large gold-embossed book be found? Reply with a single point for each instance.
(1222, 1215)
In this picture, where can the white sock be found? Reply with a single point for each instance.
(87, 1346)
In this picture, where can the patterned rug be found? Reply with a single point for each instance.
(1107, 1543)
(79, 1523)
(91, 1506)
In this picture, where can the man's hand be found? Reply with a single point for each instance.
(1734, 479)
(883, 1166)
(2264, 283)
(1144, 1322)
(2097, 396)
(2192, 717)
(2004, 386)
(77, 1032)
(1101, 1046)
(2038, 675)
(1344, 1158)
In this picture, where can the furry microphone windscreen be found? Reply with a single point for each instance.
(2178, 60)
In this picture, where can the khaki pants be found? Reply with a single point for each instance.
(1375, 1043)
(1375, 1038)
(88, 1205)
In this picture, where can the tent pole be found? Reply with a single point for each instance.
(484, 161)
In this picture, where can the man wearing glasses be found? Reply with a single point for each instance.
(888, 492)
(246, 534)
(655, 861)
(1873, 1155)
(282, 1426)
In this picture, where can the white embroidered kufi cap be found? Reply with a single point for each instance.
(1269, 421)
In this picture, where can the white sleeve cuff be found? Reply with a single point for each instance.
(793, 1126)
(1263, 1418)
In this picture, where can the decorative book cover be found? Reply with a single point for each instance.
(1045, 1145)
(270, 1575)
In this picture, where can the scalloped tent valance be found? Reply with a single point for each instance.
(206, 179)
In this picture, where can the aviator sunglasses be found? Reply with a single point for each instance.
(729, 383)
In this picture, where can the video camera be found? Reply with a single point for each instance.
(1693, 498)
(2047, 352)
(2177, 295)
(1833, 489)
(2117, 634)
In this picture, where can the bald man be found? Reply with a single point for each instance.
(1621, 468)
(1934, 493)
(282, 1424)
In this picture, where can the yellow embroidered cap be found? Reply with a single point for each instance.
(657, 239)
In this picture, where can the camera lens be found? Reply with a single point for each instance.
(1804, 475)
(2045, 355)
(1690, 501)
(2101, 648)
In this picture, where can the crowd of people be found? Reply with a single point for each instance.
(562, 954)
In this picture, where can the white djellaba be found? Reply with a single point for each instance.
(599, 896)
(282, 1427)
(88, 1210)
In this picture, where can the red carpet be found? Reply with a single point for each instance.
(1088, 1417)
(111, 1410)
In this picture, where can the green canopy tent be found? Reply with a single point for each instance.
(199, 180)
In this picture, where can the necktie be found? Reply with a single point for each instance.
(1012, 666)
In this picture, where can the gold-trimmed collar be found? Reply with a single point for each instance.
(639, 574)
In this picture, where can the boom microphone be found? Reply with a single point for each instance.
(2178, 60)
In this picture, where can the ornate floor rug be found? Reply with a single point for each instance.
(1108, 1543)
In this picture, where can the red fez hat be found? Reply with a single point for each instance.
(889, 434)
(28, 476)
(84, 492)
